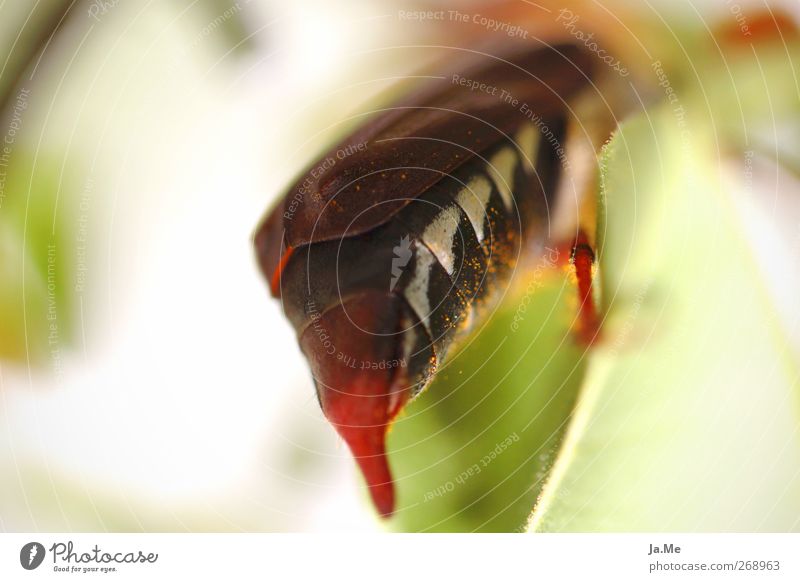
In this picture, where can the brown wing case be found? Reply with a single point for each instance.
(403, 150)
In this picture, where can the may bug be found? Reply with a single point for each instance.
(397, 241)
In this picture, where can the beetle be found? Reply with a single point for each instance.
(390, 248)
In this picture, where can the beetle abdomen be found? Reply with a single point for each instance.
(423, 274)
(445, 252)
(384, 260)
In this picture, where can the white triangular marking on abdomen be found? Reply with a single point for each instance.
(501, 169)
(438, 235)
(417, 291)
(473, 200)
(528, 141)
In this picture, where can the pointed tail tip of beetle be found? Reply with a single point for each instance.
(368, 445)
(361, 383)
(361, 411)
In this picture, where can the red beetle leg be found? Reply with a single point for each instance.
(582, 260)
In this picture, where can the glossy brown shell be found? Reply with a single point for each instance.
(403, 150)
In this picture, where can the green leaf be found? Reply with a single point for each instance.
(688, 420)
(472, 452)
(37, 258)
